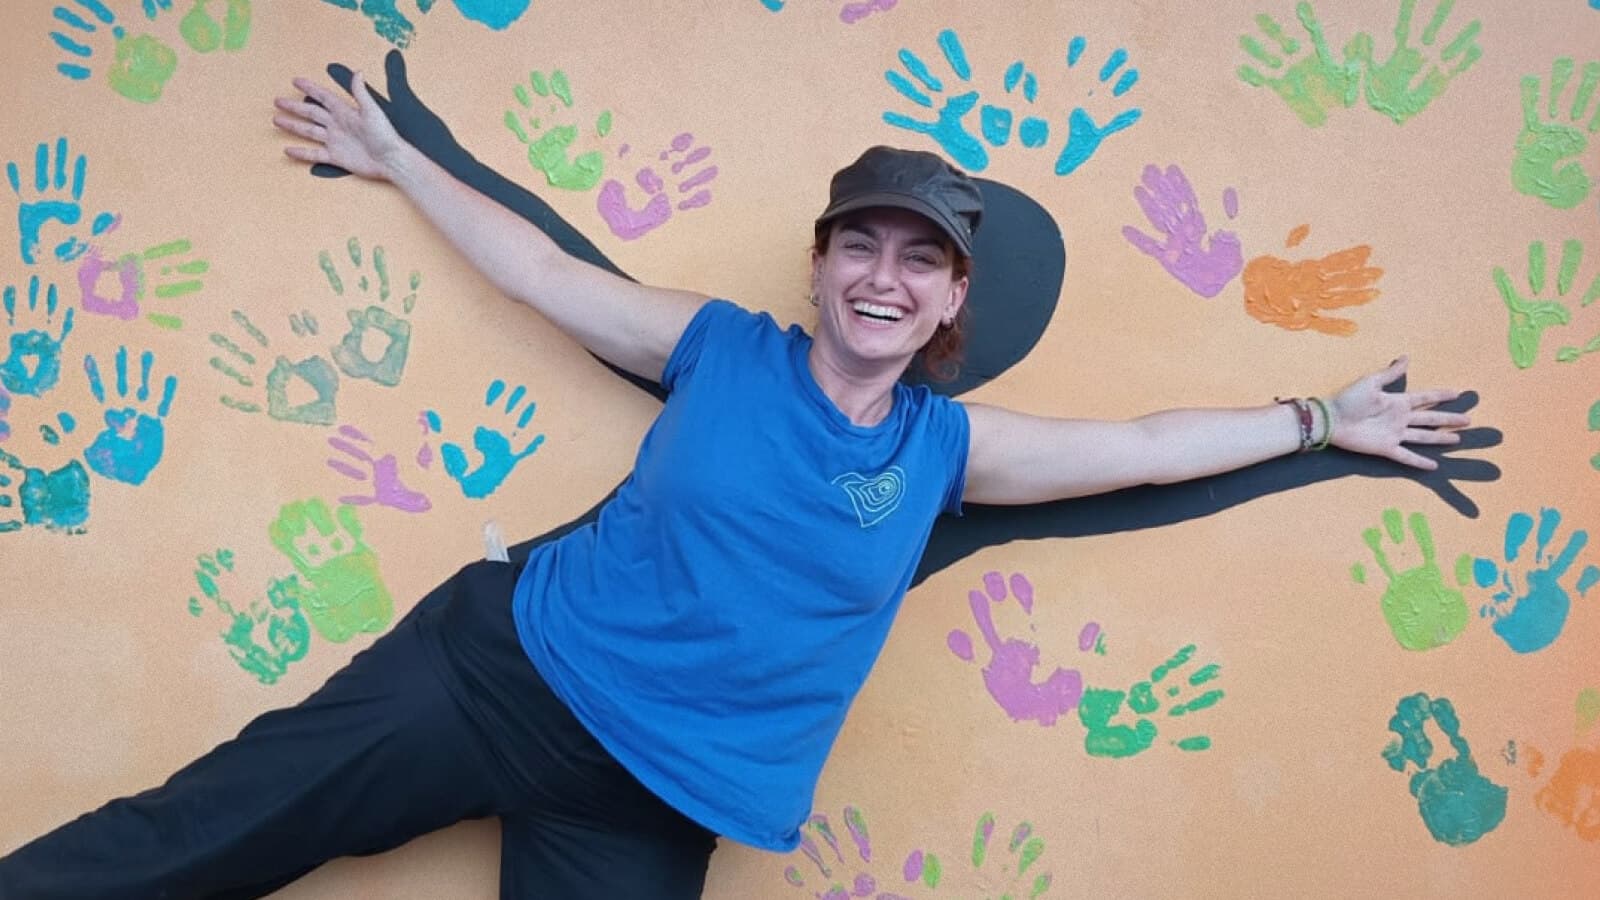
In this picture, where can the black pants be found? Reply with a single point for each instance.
(440, 720)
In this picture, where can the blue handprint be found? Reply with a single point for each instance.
(131, 444)
(497, 14)
(494, 446)
(1083, 135)
(948, 129)
(1533, 620)
(995, 121)
(5, 409)
(48, 183)
(57, 500)
(33, 365)
(141, 64)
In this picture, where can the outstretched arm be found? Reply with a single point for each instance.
(1015, 458)
(627, 324)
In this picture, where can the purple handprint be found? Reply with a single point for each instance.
(863, 885)
(1204, 262)
(1009, 672)
(387, 488)
(629, 223)
(852, 13)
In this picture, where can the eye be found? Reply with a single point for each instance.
(857, 247)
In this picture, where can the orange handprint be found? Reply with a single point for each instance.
(1294, 295)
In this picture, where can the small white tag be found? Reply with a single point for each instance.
(494, 546)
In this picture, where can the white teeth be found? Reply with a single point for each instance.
(876, 311)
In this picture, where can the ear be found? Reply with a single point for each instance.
(958, 296)
(816, 268)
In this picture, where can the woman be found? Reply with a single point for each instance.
(679, 668)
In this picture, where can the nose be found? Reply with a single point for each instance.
(885, 272)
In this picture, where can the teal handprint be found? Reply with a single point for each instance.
(1531, 315)
(1099, 706)
(549, 150)
(948, 129)
(345, 593)
(1084, 136)
(5, 410)
(33, 364)
(493, 445)
(1546, 163)
(1423, 612)
(1532, 618)
(142, 64)
(1457, 803)
(286, 636)
(133, 439)
(1393, 86)
(387, 20)
(1308, 78)
(54, 198)
(996, 120)
(303, 392)
(350, 353)
(56, 500)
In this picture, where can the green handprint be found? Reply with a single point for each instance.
(204, 33)
(286, 377)
(1530, 316)
(548, 151)
(1099, 706)
(347, 594)
(1457, 804)
(1392, 86)
(390, 363)
(141, 67)
(1311, 84)
(1544, 143)
(1594, 425)
(1422, 611)
(287, 634)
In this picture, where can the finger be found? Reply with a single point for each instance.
(321, 95)
(1414, 460)
(312, 111)
(358, 90)
(1429, 436)
(1432, 397)
(316, 154)
(311, 131)
(1435, 419)
(1394, 371)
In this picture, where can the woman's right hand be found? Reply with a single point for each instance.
(355, 137)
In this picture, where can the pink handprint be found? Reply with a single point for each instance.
(631, 224)
(1009, 672)
(1205, 263)
(387, 488)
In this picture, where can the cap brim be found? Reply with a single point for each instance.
(955, 230)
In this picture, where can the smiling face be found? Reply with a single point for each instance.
(884, 282)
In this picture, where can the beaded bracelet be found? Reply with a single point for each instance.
(1327, 425)
(1302, 412)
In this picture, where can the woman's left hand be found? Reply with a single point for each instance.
(1368, 419)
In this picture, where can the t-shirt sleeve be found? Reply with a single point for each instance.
(712, 317)
(954, 427)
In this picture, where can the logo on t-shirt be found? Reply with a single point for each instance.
(876, 497)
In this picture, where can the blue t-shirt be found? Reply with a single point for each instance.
(713, 624)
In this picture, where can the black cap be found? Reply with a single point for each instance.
(917, 180)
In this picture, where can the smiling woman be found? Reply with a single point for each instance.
(604, 697)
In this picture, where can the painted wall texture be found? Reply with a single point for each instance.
(248, 415)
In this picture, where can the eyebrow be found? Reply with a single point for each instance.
(877, 235)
